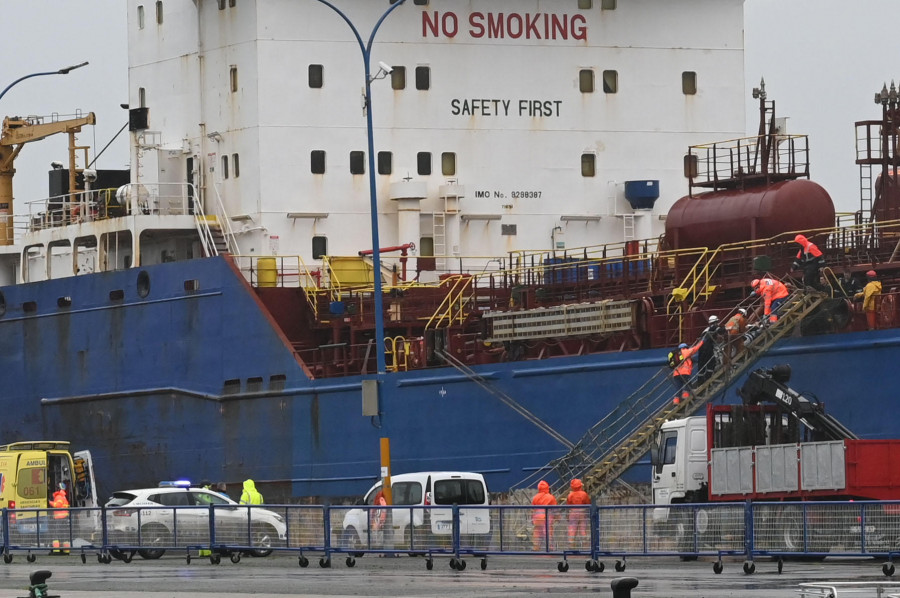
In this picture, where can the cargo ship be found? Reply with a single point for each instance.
(553, 217)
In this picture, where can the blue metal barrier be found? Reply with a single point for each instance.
(781, 530)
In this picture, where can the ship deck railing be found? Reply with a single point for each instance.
(747, 161)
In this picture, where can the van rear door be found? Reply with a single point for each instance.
(459, 491)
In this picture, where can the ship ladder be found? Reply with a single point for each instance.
(623, 436)
(505, 398)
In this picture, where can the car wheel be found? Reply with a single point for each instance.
(153, 536)
(350, 541)
(263, 537)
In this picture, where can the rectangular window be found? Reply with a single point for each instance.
(225, 166)
(420, 2)
(235, 165)
(317, 161)
(398, 77)
(319, 247)
(588, 165)
(585, 4)
(140, 16)
(689, 83)
(610, 81)
(448, 164)
(508, 230)
(233, 77)
(385, 162)
(221, 4)
(159, 12)
(316, 76)
(142, 97)
(607, 4)
(586, 80)
(357, 162)
(423, 162)
(423, 77)
(232, 3)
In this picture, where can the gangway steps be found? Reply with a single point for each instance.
(621, 438)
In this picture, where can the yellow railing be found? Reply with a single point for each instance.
(453, 307)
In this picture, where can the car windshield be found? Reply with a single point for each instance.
(119, 499)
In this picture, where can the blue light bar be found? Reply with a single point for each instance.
(176, 484)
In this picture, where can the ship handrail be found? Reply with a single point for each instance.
(452, 308)
(224, 221)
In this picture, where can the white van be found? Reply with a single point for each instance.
(444, 488)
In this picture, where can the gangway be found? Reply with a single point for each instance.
(620, 439)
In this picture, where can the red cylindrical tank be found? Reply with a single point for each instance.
(721, 217)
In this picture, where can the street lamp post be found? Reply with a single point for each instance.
(64, 71)
(366, 49)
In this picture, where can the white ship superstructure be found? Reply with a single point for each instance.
(505, 125)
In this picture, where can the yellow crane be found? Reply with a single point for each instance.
(16, 132)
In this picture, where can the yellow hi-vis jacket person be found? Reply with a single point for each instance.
(251, 495)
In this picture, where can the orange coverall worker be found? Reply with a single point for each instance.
(539, 517)
(735, 327)
(773, 293)
(682, 375)
(868, 295)
(810, 259)
(60, 518)
(578, 517)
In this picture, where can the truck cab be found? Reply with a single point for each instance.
(679, 458)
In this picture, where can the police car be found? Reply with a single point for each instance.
(175, 514)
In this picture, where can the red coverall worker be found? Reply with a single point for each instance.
(773, 293)
(682, 375)
(735, 327)
(810, 259)
(60, 518)
(868, 295)
(580, 516)
(540, 518)
(379, 515)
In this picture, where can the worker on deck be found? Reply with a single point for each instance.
(251, 495)
(682, 372)
(773, 293)
(579, 517)
(810, 260)
(869, 296)
(711, 337)
(540, 518)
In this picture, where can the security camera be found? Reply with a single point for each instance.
(387, 69)
(90, 175)
(56, 165)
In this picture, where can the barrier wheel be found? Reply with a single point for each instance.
(562, 566)
(429, 564)
(780, 564)
(483, 564)
(127, 556)
(453, 563)
(187, 558)
(235, 557)
(749, 567)
(99, 558)
(620, 566)
(887, 569)
(351, 562)
(325, 563)
(7, 558)
(462, 565)
(31, 557)
(215, 559)
(83, 558)
(718, 567)
(303, 562)
(599, 567)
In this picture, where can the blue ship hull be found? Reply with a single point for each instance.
(202, 384)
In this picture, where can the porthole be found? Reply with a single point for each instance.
(29, 307)
(64, 302)
(116, 295)
(143, 284)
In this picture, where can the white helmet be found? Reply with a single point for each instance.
(743, 311)
(713, 319)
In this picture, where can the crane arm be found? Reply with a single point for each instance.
(18, 130)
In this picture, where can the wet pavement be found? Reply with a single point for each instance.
(280, 575)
